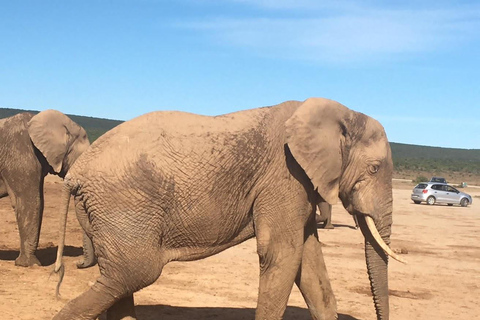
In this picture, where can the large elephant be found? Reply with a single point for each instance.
(174, 186)
(32, 146)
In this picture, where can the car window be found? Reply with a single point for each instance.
(421, 186)
(439, 187)
(451, 189)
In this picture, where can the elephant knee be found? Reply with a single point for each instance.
(275, 254)
(265, 257)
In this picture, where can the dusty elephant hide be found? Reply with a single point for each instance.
(174, 186)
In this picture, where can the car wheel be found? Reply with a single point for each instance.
(417, 202)
(464, 202)
(431, 200)
(450, 204)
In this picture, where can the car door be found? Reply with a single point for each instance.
(452, 195)
(439, 192)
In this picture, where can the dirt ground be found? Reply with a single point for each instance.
(441, 281)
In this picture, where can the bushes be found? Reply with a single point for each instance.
(437, 165)
(420, 179)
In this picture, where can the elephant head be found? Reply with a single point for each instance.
(346, 155)
(59, 139)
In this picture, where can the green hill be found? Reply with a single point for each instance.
(434, 159)
(407, 158)
(400, 150)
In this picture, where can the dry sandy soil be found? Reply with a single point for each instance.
(441, 281)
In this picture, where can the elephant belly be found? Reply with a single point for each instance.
(176, 233)
(201, 236)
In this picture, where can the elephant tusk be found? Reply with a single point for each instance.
(373, 229)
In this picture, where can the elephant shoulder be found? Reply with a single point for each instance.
(16, 122)
(16, 145)
(14, 128)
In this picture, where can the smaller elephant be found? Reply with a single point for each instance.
(324, 214)
(31, 147)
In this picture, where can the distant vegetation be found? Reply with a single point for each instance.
(406, 157)
(420, 178)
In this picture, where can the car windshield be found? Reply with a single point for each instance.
(421, 186)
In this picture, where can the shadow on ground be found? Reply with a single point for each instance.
(336, 225)
(164, 312)
(46, 256)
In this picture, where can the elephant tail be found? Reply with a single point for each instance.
(59, 267)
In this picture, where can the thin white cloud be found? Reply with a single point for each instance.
(345, 33)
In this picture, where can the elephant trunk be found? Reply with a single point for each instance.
(377, 267)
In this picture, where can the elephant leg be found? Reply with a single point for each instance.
(123, 309)
(27, 201)
(105, 295)
(89, 305)
(3, 189)
(126, 267)
(312, 279)
(280, 250)
(110, 293)
(325, 215)
(89, 258)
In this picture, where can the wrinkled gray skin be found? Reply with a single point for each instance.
(173, 186)
(30, 148)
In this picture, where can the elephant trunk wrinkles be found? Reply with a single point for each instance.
(377, 268)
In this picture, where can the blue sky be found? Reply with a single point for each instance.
(413, 65)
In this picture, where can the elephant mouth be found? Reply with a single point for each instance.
(378, 239)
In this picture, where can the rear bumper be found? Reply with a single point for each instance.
(418, 197)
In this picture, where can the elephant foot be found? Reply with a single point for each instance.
(328, 226)
(27, 261)
(319, 219)
(86, 263)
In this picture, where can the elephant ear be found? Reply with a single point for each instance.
(317, 136)
(58, 138)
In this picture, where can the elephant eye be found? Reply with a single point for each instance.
(373, 169)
